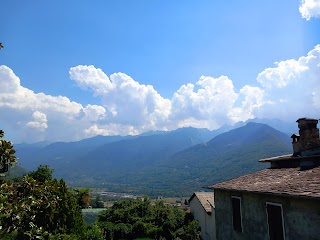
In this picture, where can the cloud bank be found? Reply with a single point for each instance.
(310, 8)
(37, 116)
(288, 90)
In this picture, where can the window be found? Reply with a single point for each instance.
(236, 214)
(275, 221)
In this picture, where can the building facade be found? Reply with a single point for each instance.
(202, 207)
(278, 203)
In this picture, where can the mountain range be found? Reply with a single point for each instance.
(174, 163)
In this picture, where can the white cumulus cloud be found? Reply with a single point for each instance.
(252, 100)
(310, 8)
(286, 72)
(39, 121)
(92, 78)
(127, 102)
(110, 129)
(292, 88)
(209, 104)
(288, 90)
(24, 112)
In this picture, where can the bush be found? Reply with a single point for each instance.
(31, 209)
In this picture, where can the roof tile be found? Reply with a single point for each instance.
(288, 181)
(206, 199)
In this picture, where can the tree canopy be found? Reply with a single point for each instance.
(37, 206)
(83, 196)
(32, 209)
(130, 219)
(42, 174)
(7, 157)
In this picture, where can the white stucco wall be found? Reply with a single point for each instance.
(206, 221)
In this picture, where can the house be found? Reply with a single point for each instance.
(278, 203)
(202, 208)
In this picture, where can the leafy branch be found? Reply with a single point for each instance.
(7, 157)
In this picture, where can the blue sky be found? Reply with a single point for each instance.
(124, 67)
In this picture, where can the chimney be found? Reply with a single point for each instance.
(296, 144)
(307, 141)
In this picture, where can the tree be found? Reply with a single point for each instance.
(189, 232)
(83, 197)
(7, 157)
(97, 202)
(42, 174)
(36, 207)
(94, 232)
(36, 210)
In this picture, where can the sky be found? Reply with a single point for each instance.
(76, 69)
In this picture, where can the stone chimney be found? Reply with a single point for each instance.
(296, 144)
(307, 142)
(306, 148)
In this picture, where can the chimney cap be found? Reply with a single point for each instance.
(295, 135)
(307, 119)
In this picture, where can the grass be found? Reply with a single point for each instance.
(92, 210)
(90, 215)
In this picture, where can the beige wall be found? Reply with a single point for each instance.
(206, 221)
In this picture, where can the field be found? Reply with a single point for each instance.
(90, 214)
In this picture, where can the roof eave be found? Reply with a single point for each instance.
(269, 193)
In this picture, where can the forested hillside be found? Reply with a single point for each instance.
(226, 156)
(161, 163)
(88, 159)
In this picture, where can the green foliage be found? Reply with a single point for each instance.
(189, 232)
(42, 174)
(39, 210)
(83, 196)
(97, 202)
(7, 157)
(130, 219)
(64, 237)
(94, 232)
(90, 215)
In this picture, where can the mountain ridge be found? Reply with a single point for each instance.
(160, 162)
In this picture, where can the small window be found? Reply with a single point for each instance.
(275, 221)
(236, 214)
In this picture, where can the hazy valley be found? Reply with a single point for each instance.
(172, 163)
